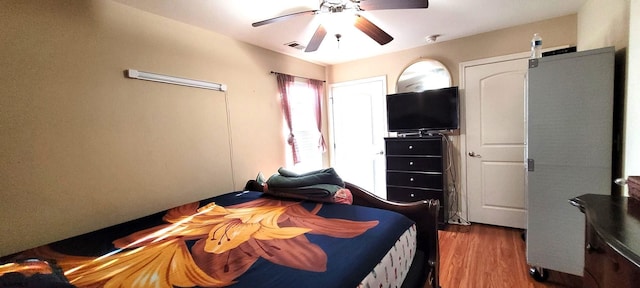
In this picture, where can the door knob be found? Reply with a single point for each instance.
(473, 154)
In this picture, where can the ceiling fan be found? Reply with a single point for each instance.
(361, 23)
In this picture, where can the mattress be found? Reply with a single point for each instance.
(242, 240)
(394, 267)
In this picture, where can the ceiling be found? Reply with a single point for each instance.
(450, 19)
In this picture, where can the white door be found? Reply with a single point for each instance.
(358, 122)
(495, 141)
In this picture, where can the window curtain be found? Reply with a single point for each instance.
(316, 86)
(284, 84)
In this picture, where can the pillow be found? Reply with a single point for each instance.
(32, 273)
(343, 196)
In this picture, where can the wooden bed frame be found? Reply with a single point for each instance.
(425, 268)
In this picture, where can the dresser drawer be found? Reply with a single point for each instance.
(594, 254)
(589, 281)
(410, 195)
(606, 266)
(428, 146)
(414, 163)
(414, 179)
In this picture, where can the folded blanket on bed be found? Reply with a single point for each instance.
(289, 179)
(311, 191)
(320, 185)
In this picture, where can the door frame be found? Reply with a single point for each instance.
(463, 194)
(330, 112)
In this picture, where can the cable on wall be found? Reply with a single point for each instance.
(226, 104)
(141, 75)
(451, 167)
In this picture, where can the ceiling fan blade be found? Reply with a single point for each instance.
(283, 17)
(317, 38)
(373, 31)
(392, 4)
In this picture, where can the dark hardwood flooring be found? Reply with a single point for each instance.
(490, 256)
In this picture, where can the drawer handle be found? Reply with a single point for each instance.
(591, 248)
(410, 163)
(411, 179)
(410, 147)
(413, 195)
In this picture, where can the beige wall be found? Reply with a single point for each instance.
(603, 23)
(83, 147)
(632, 104)
(555, 32)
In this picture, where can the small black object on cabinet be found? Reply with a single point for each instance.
(416, 171)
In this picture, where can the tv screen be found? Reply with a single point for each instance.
(429, 110)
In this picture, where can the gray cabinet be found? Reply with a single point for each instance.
(569, 147)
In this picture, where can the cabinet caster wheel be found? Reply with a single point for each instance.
(539, 274)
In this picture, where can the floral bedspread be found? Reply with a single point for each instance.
(237, 240)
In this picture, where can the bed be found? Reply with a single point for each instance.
(247, 239)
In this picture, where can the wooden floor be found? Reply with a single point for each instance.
(490, 256)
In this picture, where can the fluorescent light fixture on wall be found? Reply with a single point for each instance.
(141, 75)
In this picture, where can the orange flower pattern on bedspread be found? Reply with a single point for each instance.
(227, 242)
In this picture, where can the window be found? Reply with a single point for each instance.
(302, 105)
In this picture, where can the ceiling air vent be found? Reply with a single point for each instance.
(295, 45)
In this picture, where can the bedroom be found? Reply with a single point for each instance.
(66, 99)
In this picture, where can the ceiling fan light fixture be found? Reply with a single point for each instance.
(348, 10)
(337, 22)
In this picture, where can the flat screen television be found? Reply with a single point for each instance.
(429, 110)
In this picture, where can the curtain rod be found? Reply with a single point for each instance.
(274, 72)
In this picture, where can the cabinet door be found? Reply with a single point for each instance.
(570, 122)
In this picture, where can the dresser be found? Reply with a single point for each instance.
(612, 240)
(415, 171)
